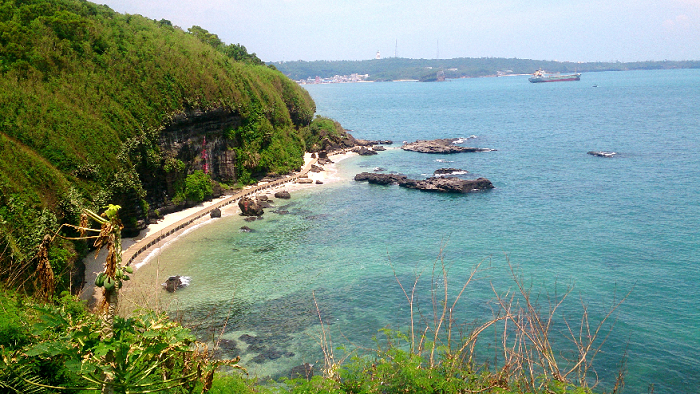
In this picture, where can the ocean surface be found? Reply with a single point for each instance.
(605, 228)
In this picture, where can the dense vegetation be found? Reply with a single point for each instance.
(85, 93)
(426, 69)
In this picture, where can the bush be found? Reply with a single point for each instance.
(198, 186)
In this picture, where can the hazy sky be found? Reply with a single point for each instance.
(565, 30)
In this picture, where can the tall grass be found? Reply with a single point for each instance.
(538, 349)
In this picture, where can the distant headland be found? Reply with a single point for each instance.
(396, 69)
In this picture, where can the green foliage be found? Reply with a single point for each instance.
(62, 345)
(85, 93)
(197, 186)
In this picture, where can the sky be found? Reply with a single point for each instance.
(563, 30)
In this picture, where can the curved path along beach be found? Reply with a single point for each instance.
(143, 245)
(137, 249)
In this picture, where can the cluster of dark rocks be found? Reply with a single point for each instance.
(442, 145)
(433, 184)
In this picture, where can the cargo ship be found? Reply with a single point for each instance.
(541, 76)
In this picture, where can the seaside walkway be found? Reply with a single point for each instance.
(143, 245)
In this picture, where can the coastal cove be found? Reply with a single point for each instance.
(607, 226)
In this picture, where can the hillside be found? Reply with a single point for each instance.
(389, 69)
(98, 107)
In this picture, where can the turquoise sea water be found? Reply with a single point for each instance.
(563, 218)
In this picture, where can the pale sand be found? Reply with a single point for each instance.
(95, 265)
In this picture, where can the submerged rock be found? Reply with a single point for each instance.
(246, 229)
(304, 371)
(444, 145)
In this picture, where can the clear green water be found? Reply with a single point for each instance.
(606, 226)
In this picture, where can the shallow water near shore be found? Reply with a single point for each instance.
(607, 226)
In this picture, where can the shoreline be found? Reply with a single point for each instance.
(165, 234)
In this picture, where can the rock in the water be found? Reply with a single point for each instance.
(304, 371)
(250, 207)
(602, 153)
(378, 148)
(449, 185)
(386, 142)
(283, 194)
(380, 179)
(448, 171)
(315, 168)
(246, 229)
(305, 180)
(250, 218)
(175, 282)
(319, 182)
(436, 184)
(281, 211)
(444, 145)
(363, 151)
(262, 197)
(215, 213)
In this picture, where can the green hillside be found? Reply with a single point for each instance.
(87, 97)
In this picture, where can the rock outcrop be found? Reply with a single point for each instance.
(380, 179)
(283, 195)
(433, 184)
(449, 185)
(175, 282)
(215, 213)
(444, 145)
(363, 151)
(250, 207)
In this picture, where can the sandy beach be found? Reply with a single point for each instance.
(95, 263)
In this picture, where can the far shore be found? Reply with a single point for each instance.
(95, 263)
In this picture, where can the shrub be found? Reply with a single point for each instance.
(197, 186)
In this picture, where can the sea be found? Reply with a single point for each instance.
(608, 247)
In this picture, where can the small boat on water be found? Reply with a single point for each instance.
(541, 76)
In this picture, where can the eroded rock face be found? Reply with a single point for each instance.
(434, 184)
(444, 145)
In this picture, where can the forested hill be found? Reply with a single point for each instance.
(98, 107)
(391, 69)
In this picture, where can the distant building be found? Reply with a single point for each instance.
(378, 56)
